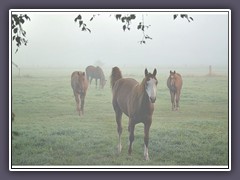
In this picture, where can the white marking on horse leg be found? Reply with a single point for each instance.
(146, 153)
(119, 145)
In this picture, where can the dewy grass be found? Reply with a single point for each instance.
(48, 131)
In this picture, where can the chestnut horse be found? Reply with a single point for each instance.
(96, 73)
(136, 101)
(174, 84)
(79, 85)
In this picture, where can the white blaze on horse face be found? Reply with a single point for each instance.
(172, 80)
(151, 89)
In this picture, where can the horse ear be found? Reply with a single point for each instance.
(83, 73)
(170, 72)
(146, 72)
(155, 72)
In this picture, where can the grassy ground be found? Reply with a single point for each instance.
(48, 131)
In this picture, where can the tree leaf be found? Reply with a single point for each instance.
(80, 23)
(132, 16)
(27, 17)
(79, 17)
(15, 30)
(118, 16)
(124, 27)
(21, 20)
(18, 39)
(184, 16)
(175, 16)
(123, 19)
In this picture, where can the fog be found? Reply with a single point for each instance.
(55, 40)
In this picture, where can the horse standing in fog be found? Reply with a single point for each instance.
(79, 85)
(136, 101)
(174, 84)
(96, 73)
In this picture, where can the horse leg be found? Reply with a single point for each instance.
(118, 114)
(96, 82)
(172, 99)
(146, 138)
(91, 80)
(177, 99)
(131, 128)
(77, 99)
(82, 97)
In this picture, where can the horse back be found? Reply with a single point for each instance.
(178, 82)
(90, 70)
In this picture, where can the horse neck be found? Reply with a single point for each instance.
(140, 95)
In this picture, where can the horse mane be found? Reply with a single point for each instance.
(116, 75)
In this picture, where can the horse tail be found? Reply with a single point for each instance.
(116, 75)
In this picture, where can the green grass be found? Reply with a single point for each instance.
(48, 131)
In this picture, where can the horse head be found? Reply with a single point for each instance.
(151, 85)
(172, 77)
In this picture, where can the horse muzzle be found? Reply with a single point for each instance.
(152, 99)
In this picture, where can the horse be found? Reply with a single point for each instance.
(79, 85)
(96, 73)
(135, 100)
(174, 83)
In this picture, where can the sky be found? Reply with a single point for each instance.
(55, 40)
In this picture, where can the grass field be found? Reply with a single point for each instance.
(48, 131)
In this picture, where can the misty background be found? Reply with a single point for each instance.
(56, 41)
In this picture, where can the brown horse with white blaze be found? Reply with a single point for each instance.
(136, 100)
(79, 85)
(174, 84)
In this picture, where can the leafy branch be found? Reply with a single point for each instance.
(126, 20)
(18, 33)
(82, 25)
(183, 16)
(141, 26)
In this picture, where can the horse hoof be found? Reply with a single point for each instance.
(119, 148)
(146, 158)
